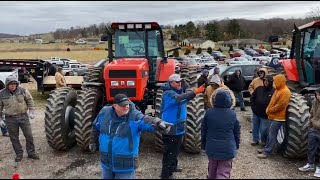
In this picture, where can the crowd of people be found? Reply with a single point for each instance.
(116, 130)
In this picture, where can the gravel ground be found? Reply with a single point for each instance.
(80, 165)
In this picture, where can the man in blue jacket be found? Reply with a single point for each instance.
(220, 136)
(117, 131)
(174, 110)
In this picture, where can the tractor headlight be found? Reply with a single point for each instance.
(130, 83)
(114, 83)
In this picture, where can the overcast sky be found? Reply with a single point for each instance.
(30, 17)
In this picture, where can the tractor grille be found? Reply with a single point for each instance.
(122, 74)
(130, 92)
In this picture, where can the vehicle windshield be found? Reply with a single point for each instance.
(132, 43)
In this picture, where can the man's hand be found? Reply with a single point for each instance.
(2, 123)
(93, 147)
(164, 127)
(199, 89)
(32, 114)
(161, 125)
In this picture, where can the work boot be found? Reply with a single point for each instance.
(263, 156)
(177, 169)
(254, 143)
(18, 158)
(33, 156)
(260, 151)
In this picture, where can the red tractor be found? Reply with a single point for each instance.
(302, 70)
(136, 67)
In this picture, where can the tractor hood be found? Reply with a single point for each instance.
(128, 62)
(126, 68)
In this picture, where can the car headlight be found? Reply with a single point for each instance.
(114, 83)
(130, 83)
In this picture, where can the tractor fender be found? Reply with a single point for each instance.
(165, 70)
(92, 84)
(308, 90)
(290, 68)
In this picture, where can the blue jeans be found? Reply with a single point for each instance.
(239, 96)
(107, 174)
(313, 145)
(260, 128)
(272, 136)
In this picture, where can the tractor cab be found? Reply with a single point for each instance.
(303, 66)
(137, 60)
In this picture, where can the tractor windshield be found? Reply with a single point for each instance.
(311, 54)
(311, 44)
(133, 43)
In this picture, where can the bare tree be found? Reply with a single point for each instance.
(314, 14)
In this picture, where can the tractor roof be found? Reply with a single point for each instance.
(309, 25)
(136, 25)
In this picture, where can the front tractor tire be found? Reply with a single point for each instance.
(59, 118)
(159, 146)
(89, 103)
(195, 114)
(295, 132)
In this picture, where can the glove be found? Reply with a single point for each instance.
(164, 127)
(32, 114)
(2, 123)
(93, 147)
(199, 89)
(161, 126)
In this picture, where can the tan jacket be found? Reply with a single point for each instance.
(210, 97)
(257, 81)
(60, 80)
(17, 103)
(315, 114)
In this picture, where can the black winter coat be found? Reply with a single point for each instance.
(260, 99)
(236, 83)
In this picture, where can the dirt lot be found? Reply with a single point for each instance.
(76, 164)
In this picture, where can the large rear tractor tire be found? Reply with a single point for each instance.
(190, 75)
(89, 103)
(159, 146)
(195, 114)
(59, 118)
(295, 132)
(94, 75)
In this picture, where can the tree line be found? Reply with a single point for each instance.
(215, 30)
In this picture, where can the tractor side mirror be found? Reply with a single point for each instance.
(164, 60)
(104, 37)
(273, 38)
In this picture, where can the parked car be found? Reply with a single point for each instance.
(218, 56)
(189, 62)
(251, 52)
(239, 60)
(247, 72)
(263, 52)
(237, 53)
(264, 60)
(207, 63)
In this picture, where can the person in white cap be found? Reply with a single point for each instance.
(216, 84)
(176, 95)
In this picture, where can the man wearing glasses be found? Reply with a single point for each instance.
(176, 94)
